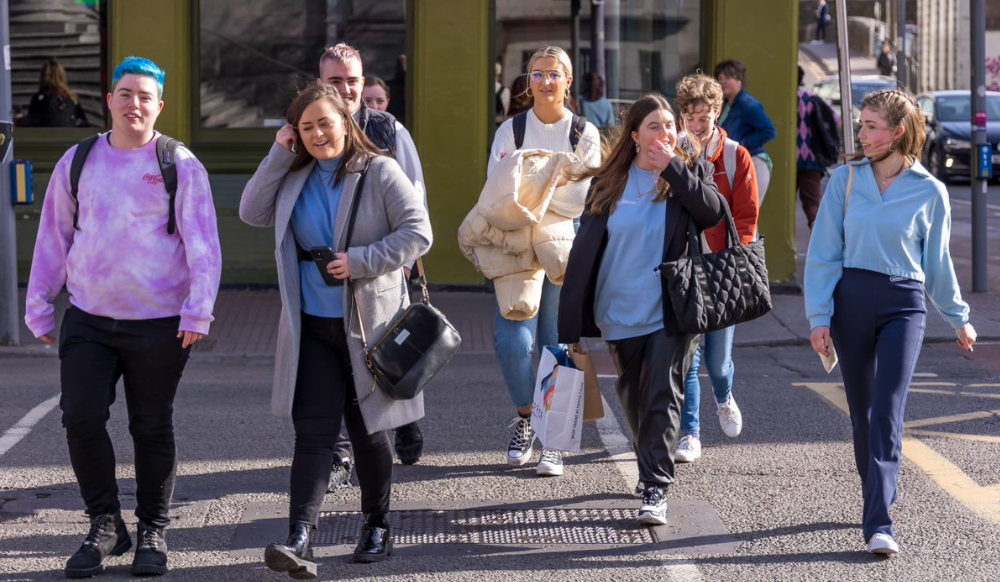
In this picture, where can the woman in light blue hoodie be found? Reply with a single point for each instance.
(879, 242)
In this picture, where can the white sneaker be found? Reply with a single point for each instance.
(882, 544)
(521, 443)
(551, 464)
(653, 510)
(688, 449)
(730, 418)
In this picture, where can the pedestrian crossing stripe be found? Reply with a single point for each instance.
(984, 501)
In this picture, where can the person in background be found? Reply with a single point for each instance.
(879, 246)
(502, 95)
(142, 278)
(595, 105)
(341, 66)
(817, 146)
(376, 94)
(520, 98)
(699, 100)
(822, 19)
(745, 121)
(644, 200)
(886, 61)
(320, 159)
(55, 104)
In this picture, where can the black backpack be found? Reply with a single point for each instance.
(822, 123)
(166, 155)
(521, 124)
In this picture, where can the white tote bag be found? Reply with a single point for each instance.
(557, 412)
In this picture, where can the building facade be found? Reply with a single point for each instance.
(234, 65)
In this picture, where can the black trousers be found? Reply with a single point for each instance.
(95, 352)
(324, 394)
(651, 371)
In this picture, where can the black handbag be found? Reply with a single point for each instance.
(414, 348)
(712, 291)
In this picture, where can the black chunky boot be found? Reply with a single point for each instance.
(409, 443)
(376, 540)
(150, 552)
(108, 537)
(295, 556)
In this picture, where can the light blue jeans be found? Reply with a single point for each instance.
(718, 351)
(515, 345)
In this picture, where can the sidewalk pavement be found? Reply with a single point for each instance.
(823, 58)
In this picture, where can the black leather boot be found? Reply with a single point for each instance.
(108, 537)
(150, 552)
(409, 443)
(295, 556)
(376, 540)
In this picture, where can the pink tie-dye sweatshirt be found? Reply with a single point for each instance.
(122, 263)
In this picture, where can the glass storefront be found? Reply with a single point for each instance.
(58, 58)
(255, 54)
(634, 46)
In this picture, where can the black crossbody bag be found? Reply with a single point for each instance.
(414, 348)
(713, 291)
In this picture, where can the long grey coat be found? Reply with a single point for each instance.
(392, 229)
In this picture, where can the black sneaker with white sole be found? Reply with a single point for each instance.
(521, 442)
(653, 510)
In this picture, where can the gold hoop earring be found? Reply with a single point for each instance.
(529, 93)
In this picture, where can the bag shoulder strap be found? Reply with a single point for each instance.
(75, 169)
(850, 186)
(166, 155)
(729, 148)
(520, 125)
(576, 132)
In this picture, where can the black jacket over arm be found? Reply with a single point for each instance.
(694, 205)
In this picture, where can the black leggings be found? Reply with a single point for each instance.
(324, 394)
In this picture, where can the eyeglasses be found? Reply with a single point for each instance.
(553, 76)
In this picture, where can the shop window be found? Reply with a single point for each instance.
(647, 45)
(58, 58)
(254, 55)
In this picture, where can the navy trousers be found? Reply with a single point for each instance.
(877, 328)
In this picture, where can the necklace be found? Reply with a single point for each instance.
(634, 174)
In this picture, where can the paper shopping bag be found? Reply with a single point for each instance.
(557, 411)
(593, 404)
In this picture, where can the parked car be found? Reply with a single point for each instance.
(949, 131)
(828, 88)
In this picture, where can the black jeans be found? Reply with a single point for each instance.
(94, 353)
(324, 394)
(651, 372)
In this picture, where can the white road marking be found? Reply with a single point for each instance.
(20, 430)
(620, 448)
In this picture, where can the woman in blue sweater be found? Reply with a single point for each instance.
(879, 242)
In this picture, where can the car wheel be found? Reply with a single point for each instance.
(936, 165)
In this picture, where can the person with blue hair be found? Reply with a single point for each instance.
(128, 227)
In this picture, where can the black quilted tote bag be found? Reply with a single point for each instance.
(712, 291)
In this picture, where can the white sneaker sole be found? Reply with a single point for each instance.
(649, 518)
(686, 458)
(884, 551)
(518, 461)
(549, 470)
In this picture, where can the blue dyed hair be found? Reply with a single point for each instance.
(139, 66)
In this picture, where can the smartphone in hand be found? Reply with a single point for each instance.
(323, 256)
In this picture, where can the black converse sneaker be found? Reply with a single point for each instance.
(108, 537)
(653, 510)
(519, 450)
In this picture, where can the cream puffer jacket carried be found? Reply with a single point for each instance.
(521, 230)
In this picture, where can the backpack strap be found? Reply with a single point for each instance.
(75, 169)
(520, 125)
(729, 148)
(166, 155)
(576, 132)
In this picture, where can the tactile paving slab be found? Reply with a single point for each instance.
(494, 527)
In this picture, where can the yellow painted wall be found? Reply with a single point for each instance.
(763, 35)
(453, 103)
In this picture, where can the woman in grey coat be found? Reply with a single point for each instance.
(305, 189)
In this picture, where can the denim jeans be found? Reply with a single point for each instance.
(515, 344)
(718, 352)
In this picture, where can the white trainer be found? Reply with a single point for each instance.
(688, 449)
(730, 418)
(881, 543)
(551, 464)
(653, 510)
